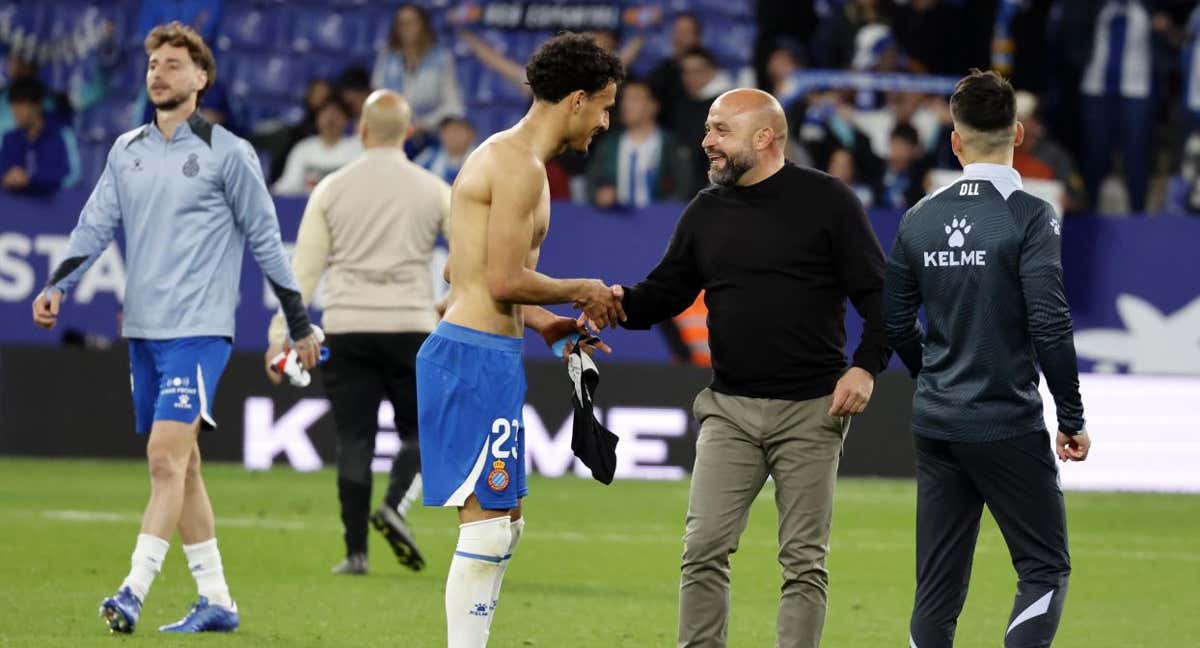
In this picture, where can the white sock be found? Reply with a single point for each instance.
(204, 560)
(410, 496)
(147, 561)
(481, 549)
(515, 528)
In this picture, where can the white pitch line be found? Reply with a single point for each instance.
(112, 516)
(673, 538)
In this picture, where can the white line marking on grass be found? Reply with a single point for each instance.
(112, 516)
(838, 544)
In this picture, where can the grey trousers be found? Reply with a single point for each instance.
(742, 440)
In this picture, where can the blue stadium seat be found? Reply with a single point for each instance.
(26, 21)
(106, 120)
(92, 14)
(321, 67)
(132, 38)
(251, 28)
(59, 21)
(128, 78)
(735, 46)
(379, 26)
(331, 32)
(679, 6)
(467, 70)
(8, 11)
(522, 45)
(271, 75)
(489, 118)
(240, 84)
(92, 157)
(363, 41)
(723, 7)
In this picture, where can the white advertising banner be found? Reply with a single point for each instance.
(1145, 433)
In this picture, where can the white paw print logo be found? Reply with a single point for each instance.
(1055, 226)
(958, 230)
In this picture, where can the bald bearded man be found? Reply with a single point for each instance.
(369, 228)
(777, 249)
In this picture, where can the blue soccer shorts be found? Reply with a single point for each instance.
(176, 380)
(470, 392)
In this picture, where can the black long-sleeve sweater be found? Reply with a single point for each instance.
(777, 260)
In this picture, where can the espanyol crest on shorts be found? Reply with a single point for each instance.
(497, 480)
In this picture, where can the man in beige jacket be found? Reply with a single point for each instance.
(369, 228)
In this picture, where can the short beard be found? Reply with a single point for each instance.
(171, 103)
(735, 167)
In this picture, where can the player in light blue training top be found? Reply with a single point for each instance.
(189, 195)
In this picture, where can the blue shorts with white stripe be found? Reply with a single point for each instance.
(176, 380)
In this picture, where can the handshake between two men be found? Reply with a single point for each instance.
(601, 304)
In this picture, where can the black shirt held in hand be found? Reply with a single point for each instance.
(777, 261)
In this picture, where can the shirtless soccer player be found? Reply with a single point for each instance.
(470, 382)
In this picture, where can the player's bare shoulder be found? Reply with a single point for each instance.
(502, 158)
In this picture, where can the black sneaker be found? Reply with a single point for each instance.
(354, 565)
(393, 528)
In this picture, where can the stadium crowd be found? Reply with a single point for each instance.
(1109, 89)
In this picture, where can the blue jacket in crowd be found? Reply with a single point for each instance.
(51, 160)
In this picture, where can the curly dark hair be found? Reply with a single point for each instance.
(570, 62)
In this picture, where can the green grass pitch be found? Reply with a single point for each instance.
(598, 566)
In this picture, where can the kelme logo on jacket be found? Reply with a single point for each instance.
(956, 231)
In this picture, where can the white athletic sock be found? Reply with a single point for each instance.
(481, 549)
(204, 560)
(516, 528)
(147, 561)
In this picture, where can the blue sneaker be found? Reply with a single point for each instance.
(205, 617)
(121, 610)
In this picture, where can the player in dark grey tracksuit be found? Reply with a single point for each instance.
(982, 256)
